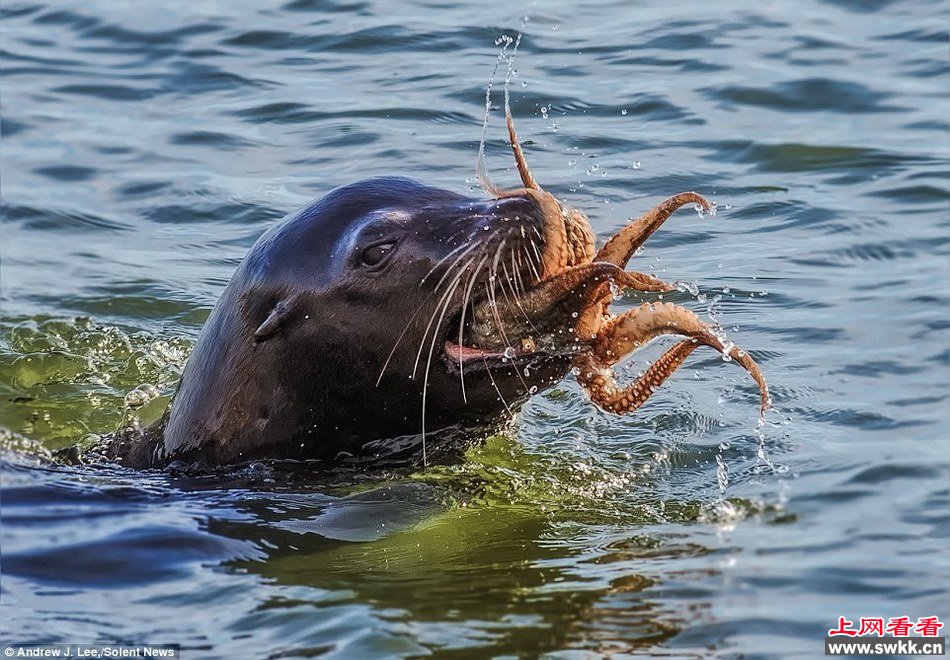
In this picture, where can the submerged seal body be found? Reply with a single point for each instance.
(334, 331)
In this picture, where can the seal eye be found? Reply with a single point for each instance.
(376, 254)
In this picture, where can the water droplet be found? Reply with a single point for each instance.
(722, 474)
(636, 164)
(726, 290)
(727, 347)
(690, 287)
(623, 111)
(509, 352)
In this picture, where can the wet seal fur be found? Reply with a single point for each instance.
(336, 323)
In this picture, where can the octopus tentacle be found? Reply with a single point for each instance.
(577, 295)
(581, 287)
(568, 237)
(632, 280)
(624, 334)
(621, 246)
(523, 170)
(643, 282)
(599, 380)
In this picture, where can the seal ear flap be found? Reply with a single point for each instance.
(277, 318)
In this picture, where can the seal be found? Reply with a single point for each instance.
(333, 332)
(388, 310)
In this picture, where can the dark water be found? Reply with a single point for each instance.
(145, 146)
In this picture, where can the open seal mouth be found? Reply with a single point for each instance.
(533, 325)
(561, 310)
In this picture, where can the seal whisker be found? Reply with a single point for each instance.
(501, 397)
(449, 269)
(443, 260)
(510, 293)
(537, 254)
(492, 299)
(398, 340)
(465, 300)
(425, 379)
(413, 317)
(514, 300)
(496, 260)
(512, 279)
(524, 250)
(493, 306)
(442, 302)
(524, 312)
(516, 268)
(493, 303)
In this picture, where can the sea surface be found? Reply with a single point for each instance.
(146, 145)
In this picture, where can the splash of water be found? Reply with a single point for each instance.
(68, 378)
(506, 42)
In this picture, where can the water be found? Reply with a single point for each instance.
(145, 147)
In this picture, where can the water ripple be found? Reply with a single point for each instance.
(809, 95)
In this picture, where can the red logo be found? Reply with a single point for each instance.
(871, 626)
(844, 628)
(928, 626)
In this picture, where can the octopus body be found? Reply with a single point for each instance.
(576, 275)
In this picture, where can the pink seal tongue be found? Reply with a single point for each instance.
(459, 354)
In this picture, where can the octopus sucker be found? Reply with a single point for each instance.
(599, 382)
(565, 310)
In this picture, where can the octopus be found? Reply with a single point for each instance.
(572, 293)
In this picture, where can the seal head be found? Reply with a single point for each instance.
(351, 322)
